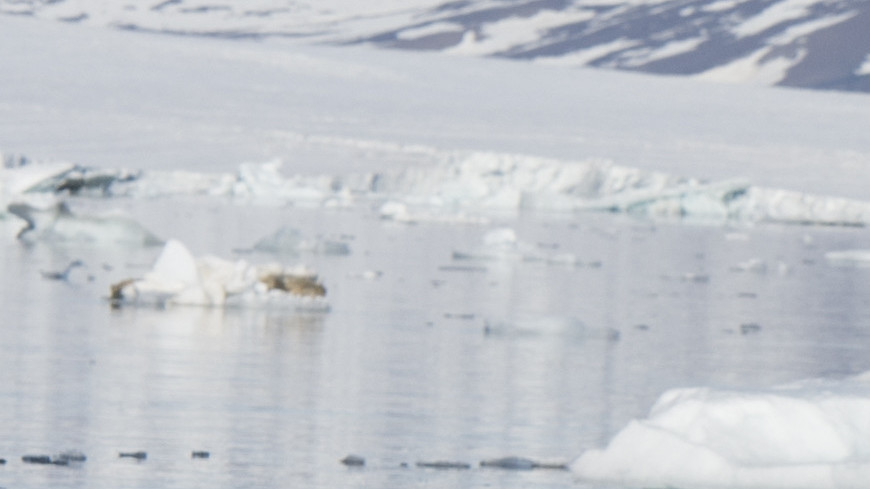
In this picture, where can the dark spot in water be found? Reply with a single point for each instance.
(443, 465)
(749, 328)
(465, 316)
(520, 463)
(36, 459)
(140, 455)
(199, 454)
(353, 461)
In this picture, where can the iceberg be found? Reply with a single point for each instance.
(178, 278)
(812, 434)
(52, 221)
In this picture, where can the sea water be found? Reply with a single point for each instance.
(422, 356)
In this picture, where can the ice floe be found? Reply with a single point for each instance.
(177, 278)
(811, 434)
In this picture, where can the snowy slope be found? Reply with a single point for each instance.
(117, 99)
(800, 43)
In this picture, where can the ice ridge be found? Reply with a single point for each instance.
(459, 183)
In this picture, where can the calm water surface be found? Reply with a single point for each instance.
(402, 368)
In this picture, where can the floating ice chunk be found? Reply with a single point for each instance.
(48, 220)
(290, 241)
(756, 265)
(178, 278)
(808, 435)
(854, 258)
(395, 211)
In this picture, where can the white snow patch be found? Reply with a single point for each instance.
(782, 11)
(864, 69)
(812, 434)
(514, 31)
(720, 6)
(751, 69)
(646, 55)
(429, 30)
(583, 57)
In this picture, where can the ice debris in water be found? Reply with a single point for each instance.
(291, 241)
(503, 244)
(811, 434)
(178, 278)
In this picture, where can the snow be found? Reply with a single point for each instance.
(811, 434)
(670, 49)
(756, 68)
(502, 35)
(583, 57)
(779, 12)
(439, 139)
(804, 29)
(864, 69)
(429, 30)
(752, 69)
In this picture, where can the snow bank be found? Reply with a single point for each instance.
(178, 278)
(814, 434)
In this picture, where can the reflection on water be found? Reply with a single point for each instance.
(430, 361)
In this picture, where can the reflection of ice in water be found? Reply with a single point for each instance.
(291, 241)
(503, 244)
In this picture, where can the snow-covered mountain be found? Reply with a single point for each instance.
(821, 44)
